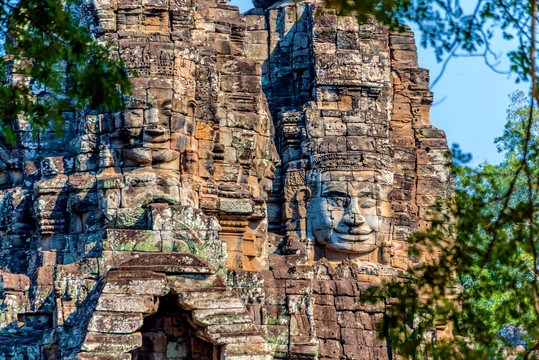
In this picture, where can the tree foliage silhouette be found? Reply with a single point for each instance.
(482, 283)
(52, 65)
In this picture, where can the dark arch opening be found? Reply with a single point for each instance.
(169, 334)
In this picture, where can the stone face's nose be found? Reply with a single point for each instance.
(153, 116)
(354, 205)
(354, 216)
(354, 219)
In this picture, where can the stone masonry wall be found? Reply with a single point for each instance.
(267, 169)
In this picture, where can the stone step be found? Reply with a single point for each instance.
(262, 348)
(208, 294)
(237, 338)
(109, 343)
(232, 328)
(224, 316)
(119, 303)
(146, 286)
(115, 323)
(212, 300)
(103, 356)
(170, 263)
(249, 357)
(217, 304)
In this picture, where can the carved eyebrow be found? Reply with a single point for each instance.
(366, 192)
(331, 192)
(368, 203)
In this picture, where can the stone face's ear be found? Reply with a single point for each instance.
(291, 245)
(302, 198)
(313, 182)
(189, 163)
(303, 194)
(385, 252)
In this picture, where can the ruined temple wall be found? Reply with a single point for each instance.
(75, 207)
(35, 158)
(338, 87)
(337, 73)
(365, 86)
(213, 85)
(196, 132)
(422, 159)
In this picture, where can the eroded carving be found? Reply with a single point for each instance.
(263, 237)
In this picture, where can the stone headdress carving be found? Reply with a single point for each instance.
(339, 161)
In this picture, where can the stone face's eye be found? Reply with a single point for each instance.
(167, 107)
(368, 204)
(338, 201)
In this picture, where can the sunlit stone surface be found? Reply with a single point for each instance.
(267, 168)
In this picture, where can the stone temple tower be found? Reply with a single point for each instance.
(267, 168)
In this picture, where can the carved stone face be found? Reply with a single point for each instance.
(149, 136)
(343, 212)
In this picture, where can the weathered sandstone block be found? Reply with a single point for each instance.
(267, 169)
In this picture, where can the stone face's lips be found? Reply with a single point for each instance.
(355, 237)
(156, 134)
(352, 248)
(354, 232)
(164, 155)
(154, 130)
(138, 155)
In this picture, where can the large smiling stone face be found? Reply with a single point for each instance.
(344, 211)
(149, 134)
(347, 220)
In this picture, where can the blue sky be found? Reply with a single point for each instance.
(470, 100)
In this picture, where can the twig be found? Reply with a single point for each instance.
(517, 23)
(526, 152)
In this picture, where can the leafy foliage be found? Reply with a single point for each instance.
(482, 283)
(53, 66)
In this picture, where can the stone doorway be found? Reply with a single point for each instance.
(170, 334)
(167, 306)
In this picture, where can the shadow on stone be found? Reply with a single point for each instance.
(171, 334)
